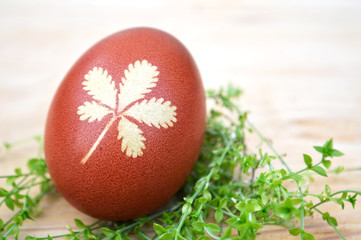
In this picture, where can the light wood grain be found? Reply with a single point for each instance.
(299, 63)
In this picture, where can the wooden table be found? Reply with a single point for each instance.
(299, 63)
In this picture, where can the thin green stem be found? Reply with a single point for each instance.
(11, 176)
(347, 191)
(230, 214)
(301, 171)
(10, 230)
(333, 194)
(7, 145)
(55, 236)
(302, 212)
(332, 225)
(90, 227)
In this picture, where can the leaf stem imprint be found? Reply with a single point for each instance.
(95, 145)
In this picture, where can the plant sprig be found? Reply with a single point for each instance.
(232, 192)
(18, 197)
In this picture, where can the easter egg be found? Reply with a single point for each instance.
(126, 125)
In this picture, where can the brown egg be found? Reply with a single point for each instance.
(126, 125)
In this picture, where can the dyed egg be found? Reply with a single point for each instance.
(126, 125)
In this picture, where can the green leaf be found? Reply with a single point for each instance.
(332, 221)
(37, 166)
(335, 153)
(45, 186)
(198, 226)
(344, 195)
(295, 177)
(328, 144)
(232, 221)
(79, 223)
(18, 219)
(218, 215)
(325, 215)
(309, 204)
(10, 181)
(207, 195)
(186, 209)
(9, 202)
(30, 238)
(319, 170)
(203, 238)
(1, 225)
(319, 149)
(69, 228)
(286, 209)
(167, 236)
(295, 231)
(7, 145)
(308, 236)
(202, 200)
(264, 198)
(327, 190)
(228, 233)
(326, 163)
(308, 160)
(253, 206)
(159, 229)
(3, 192)
(223, 202)
(213, 228)
(180, 237)
(352, 200)
(296, 201)
(233, 92)
(18, 171)
(120, 237)
(338, 170)
(240, 206)
(107, 232)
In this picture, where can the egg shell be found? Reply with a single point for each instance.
(126, 125)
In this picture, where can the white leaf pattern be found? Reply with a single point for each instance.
(132, 139)
(153, 112)
(100, 85)
(92, 111)
(139, 78)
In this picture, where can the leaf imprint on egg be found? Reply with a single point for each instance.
(129, 109)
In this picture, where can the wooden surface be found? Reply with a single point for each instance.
(298, 62)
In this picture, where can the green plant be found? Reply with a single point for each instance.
(231, 194)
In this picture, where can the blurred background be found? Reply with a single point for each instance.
(298, 62)
(284, 54)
